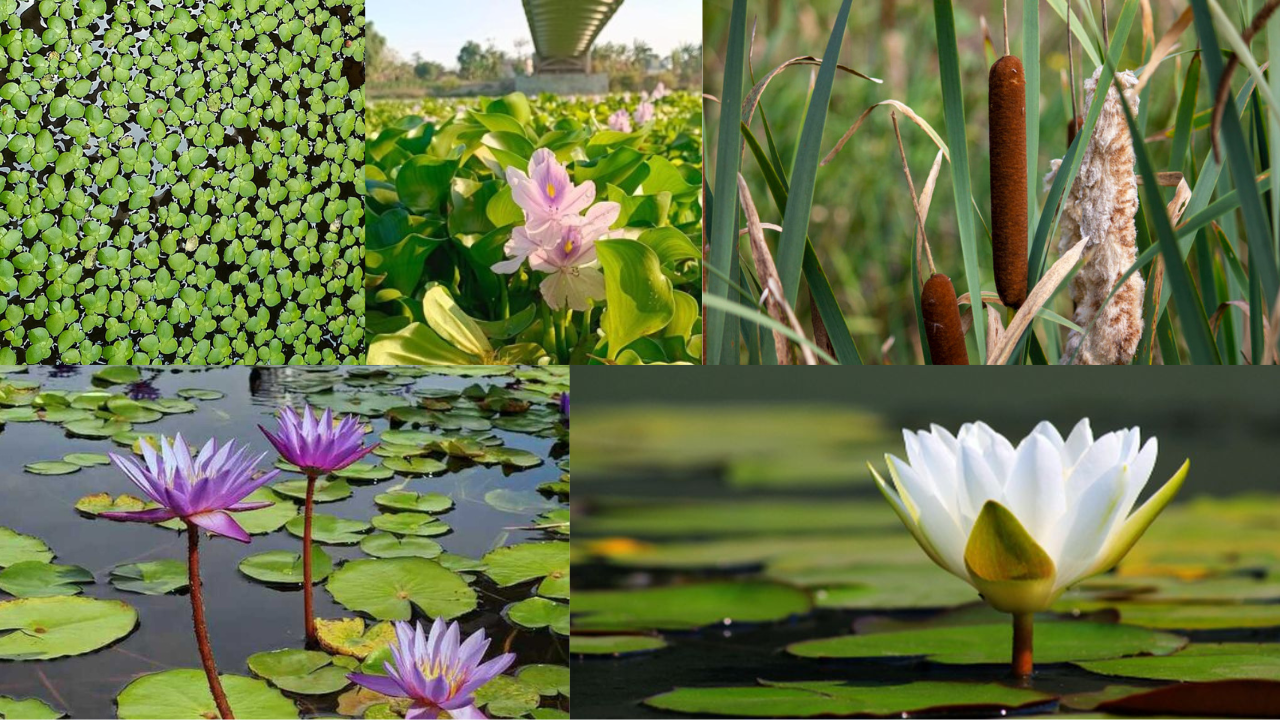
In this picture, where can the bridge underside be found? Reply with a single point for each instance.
(563, 32)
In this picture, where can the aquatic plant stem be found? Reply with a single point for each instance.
(197, 616)
(1022, 630)
(306, 561)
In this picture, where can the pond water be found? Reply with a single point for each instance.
(660, 514)
(245, 616)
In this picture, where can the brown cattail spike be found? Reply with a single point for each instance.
(1073, 128)
(1008, 135)
(942, 322)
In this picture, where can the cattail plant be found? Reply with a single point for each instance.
(942, 322)
(1007, 132)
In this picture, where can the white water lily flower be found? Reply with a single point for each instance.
(1023, 524)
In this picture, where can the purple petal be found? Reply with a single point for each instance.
(467, 712)
(220, 523)
(378, 684)
(421, 711)
(251, 505)
(154, 515)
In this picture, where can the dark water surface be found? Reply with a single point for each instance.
(244, 617)
(1227, 422)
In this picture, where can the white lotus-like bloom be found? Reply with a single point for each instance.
(1023, 524)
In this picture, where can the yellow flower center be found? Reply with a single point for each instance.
(436, 669)
(568, 246)
(551, 191)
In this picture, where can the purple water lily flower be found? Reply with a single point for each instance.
(437, 672)
(564, 407)
(203, 490)
(546, 194)
(620, 121)
(644, 113)
(318, 445)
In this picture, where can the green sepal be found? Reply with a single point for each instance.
(1010, 569)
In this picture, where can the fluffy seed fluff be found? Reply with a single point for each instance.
(1100, 210)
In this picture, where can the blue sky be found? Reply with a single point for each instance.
(439, 28)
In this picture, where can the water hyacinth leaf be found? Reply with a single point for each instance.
(687, 607)
(389, 589)
(410, 523)
(156, 577)
(305, 672)
(54, 627)
(989, 643)
(30, 709)
(31, 578)
(386, 545)
(348, 636)
(52, 467)
(282, 567)
(836, 698)
(614, 645)
(638, 296)
(16, 547)
(325, 491)
(537, 612)
(408, 500)
(329, 529)
(551, 680)
(507, 697)
(185, 694)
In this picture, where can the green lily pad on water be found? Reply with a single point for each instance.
(614, 644)
(685, 607)
(185, 694)
(365, 472)
(157, 577)
(199, 394)
(305, 672)
(415, 465)
(551, 680)
(268, 519)
(282, 567)
(16, 547)
(98, 503)
(348, 636)
(507, 697)
(536, 612)
(388, 589)
(515, 564)
(1198, 662)
(96, 427)
(51, 467)
(409, 437)
(54, 627)
(460, 563)
(32, 578)
(836, 698)
(386, 545)
(326, 490)
(1189, 616)
(329, 529)
(739, 517)
(87, 459)
(117, 375)
(510, 457)
(419, 502)
(30, 709)
(520, 502)
(410, 523)
(880, 587)
(18, 414)
(989, 643)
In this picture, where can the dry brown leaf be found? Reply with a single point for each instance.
(1036, 299)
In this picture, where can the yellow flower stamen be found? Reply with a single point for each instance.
(551, 191)
(568, 246)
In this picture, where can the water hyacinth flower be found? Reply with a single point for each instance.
(1024, 524)
(546, 194)
(437, 672)
(573, 278)
(620, 121)
(318, 446)
(644, 113)
(518, 249)
(202, 491)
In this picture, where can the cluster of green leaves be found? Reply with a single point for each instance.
(177, 182)
(440, 211)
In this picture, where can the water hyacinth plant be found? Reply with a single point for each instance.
(1106, 177)
(201, 490)
(316, 445)
(177, 182)
(557, 230)
(1024, 524)
(439, 673)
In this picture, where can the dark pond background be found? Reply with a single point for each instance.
(1225, 420)
(244, 616)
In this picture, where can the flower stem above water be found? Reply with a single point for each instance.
(202, 630)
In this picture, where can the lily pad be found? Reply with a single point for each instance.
(685, 607)
(185, 694)
(305, 672)
(199, 394)
(410, 523)
(54, 627)
(388, 589)
(30, 709)
(51, 467)
(551, 680)
(834, 698)
(515, 564)
(507, 697)
(87, 459)
(16, 547)
(614, 644)
(415, 465)
(348, 636)
(1198, 662)
(521, 502)
(18, 414)
(326, 490)
(268, 519)
(157, 577)
(96, 428)
(990, 643)
(117, 375)
(699, 518)
(905, 585)
(285, 568)
(386, 545)
(365, 472)
(329, 529)
(31, 579)
(419, 502)
(539, 612)
(409, 437)
(511, 457)
(1191, 616)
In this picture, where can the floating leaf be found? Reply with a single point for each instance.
(389, 589)
(16, 547)
(685, 607)
(87, 459)
(329, 529)
(30, 709)
(420, 502)
(1198, 662)
(365, 472)
(185, 694)
(117, 375)
(415, 465)
(539, 612)
(386, 545)
(326, 490)
(157, 577)
(199, 394)
(348, 636)
(551, 680)
(410, 523)
(614, 644)
(520, 502)
(54, 627)
(515, 564)
(268, 519)
(32, 578)
(52, 467)
(507, 697)
(305, 672)
(283, 567)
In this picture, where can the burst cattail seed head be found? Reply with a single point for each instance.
(1006, 87)
(942, 322)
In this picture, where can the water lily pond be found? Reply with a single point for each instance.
(735, 557)
(460, 513)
